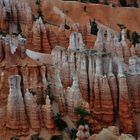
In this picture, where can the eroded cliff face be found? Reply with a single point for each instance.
(26, 77)
(105, 74)
(39, 59)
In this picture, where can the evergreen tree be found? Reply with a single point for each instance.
(73, 133)
(57, 137)
(94, 28)
(106, 2)
(19, 28)
(82, 113)
(36, 137)
(14, 138)
(123, 3)
(135, 38)
(94, 1)
(59, 122)
(135, 4)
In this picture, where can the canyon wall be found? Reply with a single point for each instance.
(38, 59)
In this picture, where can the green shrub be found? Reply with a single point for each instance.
(36, 137)
(39, 11)
(128, 33)
(84, 1)
(60, 123)
(82, 121)
(123, 3)
(2, 33)
(94, 28)
(19, 28)
(38, 2)
(8, 16)
(14, 138)
(106, 2)
(73, 133)
(135, 38)
(57, 137)
(94, 1)
(81, 111)
(121, 26)
(51, 96)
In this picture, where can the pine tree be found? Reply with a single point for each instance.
(94, 1)
(123, 2)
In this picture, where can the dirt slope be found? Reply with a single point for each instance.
(56, 10)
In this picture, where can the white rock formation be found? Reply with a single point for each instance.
(132, 66)
(99, 43)
(120, 67)
(99, 66)
(76, 41)
(16, 116)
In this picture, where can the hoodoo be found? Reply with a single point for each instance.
(69, 69)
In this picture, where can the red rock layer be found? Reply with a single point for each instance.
(103, 104)
(65, 72)
(36, 41)
(114, 90)
(59, 93)
(125, 109)
(16, 116)
(83, 78)
(32, 112)
(133, 87)
(45, 42)
(1, 50)
(90, 40)
(48, 116)
(106, 101)
(62, 38)
(137, 49)
(91, 75)
(97, 100)
(53, 39)
(73, 98)
(25, 79)
(72, 64)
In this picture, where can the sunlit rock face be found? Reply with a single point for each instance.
(16, 117)
(48, 116)
(125, 110)
(99, 43)
(132, 77)
(23, 111)
(74, 98)
(112, 132)
(83, 132)
(65, 73)
(56, 66)
(99, 84)
(76, 41)
(62, 38)
(125, 44)
(60, 93)
(33, 111)
(83, 78)
(40, 38)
